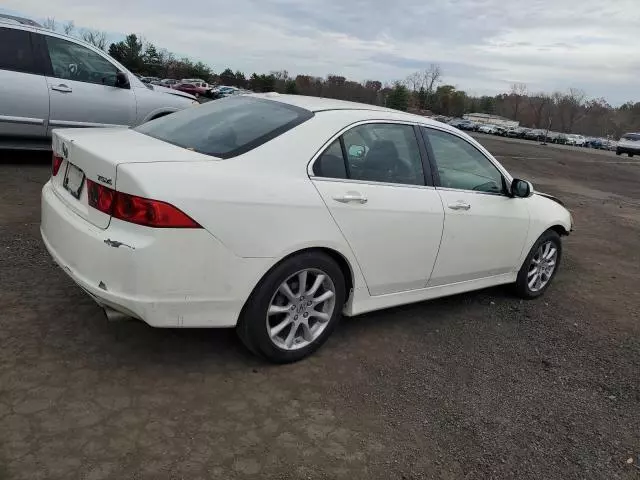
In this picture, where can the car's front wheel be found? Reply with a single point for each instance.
(294, 309)
(540, 266)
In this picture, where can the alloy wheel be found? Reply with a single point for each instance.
(542, 266)
(300, 309)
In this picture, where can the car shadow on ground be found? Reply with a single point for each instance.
(134, 343)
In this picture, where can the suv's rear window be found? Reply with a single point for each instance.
(227, 127)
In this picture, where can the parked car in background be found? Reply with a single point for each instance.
(561, 139)
(467, 125)
(198, 82)
(514, 132)
(456, 122)
(500, 130)
(534, 134)
(169, 82)
(191, 89)
(629, 143)
(487, 128)
(49, 80)
(597, 143)
(149, 79)
(224, 91)
(175, 201)
(576, 140)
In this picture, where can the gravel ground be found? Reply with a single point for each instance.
(481, 385)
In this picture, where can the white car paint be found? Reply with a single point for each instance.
(487, 129)
(403, 245)
(576, 140)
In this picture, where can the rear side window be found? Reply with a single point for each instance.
(331, 163)
(632, 136)
(16, 53)
(227, 127)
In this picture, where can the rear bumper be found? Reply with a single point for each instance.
(165, 277)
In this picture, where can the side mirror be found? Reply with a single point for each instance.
(521, 188)
(122, 81)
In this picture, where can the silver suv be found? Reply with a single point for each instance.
(629, 143)
(49, 80)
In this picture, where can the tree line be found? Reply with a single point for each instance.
(422, 92)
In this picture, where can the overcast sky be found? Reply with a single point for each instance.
(483, 46)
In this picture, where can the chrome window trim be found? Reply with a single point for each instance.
(370, 182)
(447, 189)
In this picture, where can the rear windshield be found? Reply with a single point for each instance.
(631, 136)
(227, 127)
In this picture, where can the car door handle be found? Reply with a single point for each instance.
(61, 88)
(351, 197)
(459, 206)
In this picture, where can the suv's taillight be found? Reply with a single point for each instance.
(56, 161)
(142, 211)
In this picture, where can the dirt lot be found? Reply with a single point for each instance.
(480, 385)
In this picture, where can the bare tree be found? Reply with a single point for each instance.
(570, 107)
(539, 105)
(414, 81)
(432, 77)
(280, 74)
(50, 24)
(517, 96)
(95, 38)
(69, 27)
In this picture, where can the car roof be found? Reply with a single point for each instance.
(321, 104)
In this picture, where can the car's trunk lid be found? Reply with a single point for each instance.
(94, 154)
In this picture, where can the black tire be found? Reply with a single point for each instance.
(521, 286)
(252, 327)
(630, 155)
(618, 152)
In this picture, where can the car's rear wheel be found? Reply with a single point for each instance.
(294, 309)
(630, 154)
(540, 266)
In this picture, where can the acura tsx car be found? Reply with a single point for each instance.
(277, 214)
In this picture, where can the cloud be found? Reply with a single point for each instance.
(482, 45)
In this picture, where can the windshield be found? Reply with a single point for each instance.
(228, 127)
(631, 136)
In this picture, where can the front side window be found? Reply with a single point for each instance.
(71, 61)
(461, 166)
(227, 127)
(377, 152)
(15, 51)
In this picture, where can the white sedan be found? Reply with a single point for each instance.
(276, 214)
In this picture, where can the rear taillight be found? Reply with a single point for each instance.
(56, 161)
(142, 211)
(100, 197)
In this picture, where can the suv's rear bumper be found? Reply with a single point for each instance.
(166, 277)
